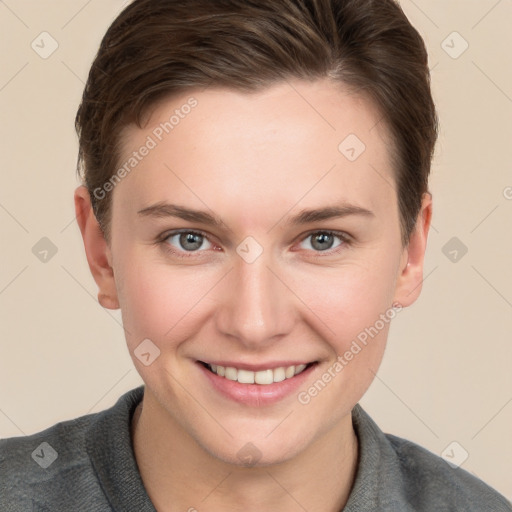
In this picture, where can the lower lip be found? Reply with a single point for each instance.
(256, 395)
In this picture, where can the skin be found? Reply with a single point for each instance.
(254, 160)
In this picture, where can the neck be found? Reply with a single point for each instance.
(179, 474)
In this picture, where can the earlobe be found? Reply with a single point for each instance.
(96, 249)
(410, 279)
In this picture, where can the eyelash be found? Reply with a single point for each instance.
(162, 240)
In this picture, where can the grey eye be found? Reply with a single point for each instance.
(188, 240)
(322, 241)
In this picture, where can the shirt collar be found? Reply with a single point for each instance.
(110, 448)
(111, 452)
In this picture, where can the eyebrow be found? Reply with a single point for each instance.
(164, 210)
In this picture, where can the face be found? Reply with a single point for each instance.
(256, 235)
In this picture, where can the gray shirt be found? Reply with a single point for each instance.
(87, 464)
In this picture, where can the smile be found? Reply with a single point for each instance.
(256, 385)
(263, 377)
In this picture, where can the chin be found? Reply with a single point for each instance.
(257, 451)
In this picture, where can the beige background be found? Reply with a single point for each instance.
(446, 374)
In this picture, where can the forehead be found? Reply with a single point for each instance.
(295, 141)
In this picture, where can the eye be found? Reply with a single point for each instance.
(182, 242)
(188, 241)
(322, 241)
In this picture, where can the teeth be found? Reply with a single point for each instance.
(231, 373)
(263, 377)
(245, 377)
(279, 374)
(289, 372)
(299, 368)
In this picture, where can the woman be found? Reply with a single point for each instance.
(256, 203)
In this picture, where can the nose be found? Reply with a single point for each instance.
(256, 307)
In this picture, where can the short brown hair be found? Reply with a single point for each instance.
(157, 48)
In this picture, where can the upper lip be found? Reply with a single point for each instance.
(271, 365)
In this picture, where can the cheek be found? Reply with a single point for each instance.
(348, 299)
(159, 301)
(171, 302)
(353, 311)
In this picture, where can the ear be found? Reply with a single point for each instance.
(97, 250)
(410, 277)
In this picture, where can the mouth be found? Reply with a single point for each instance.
(262, 377)
(256, 385)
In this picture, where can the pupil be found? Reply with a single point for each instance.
(322, 238)
(190, 238)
